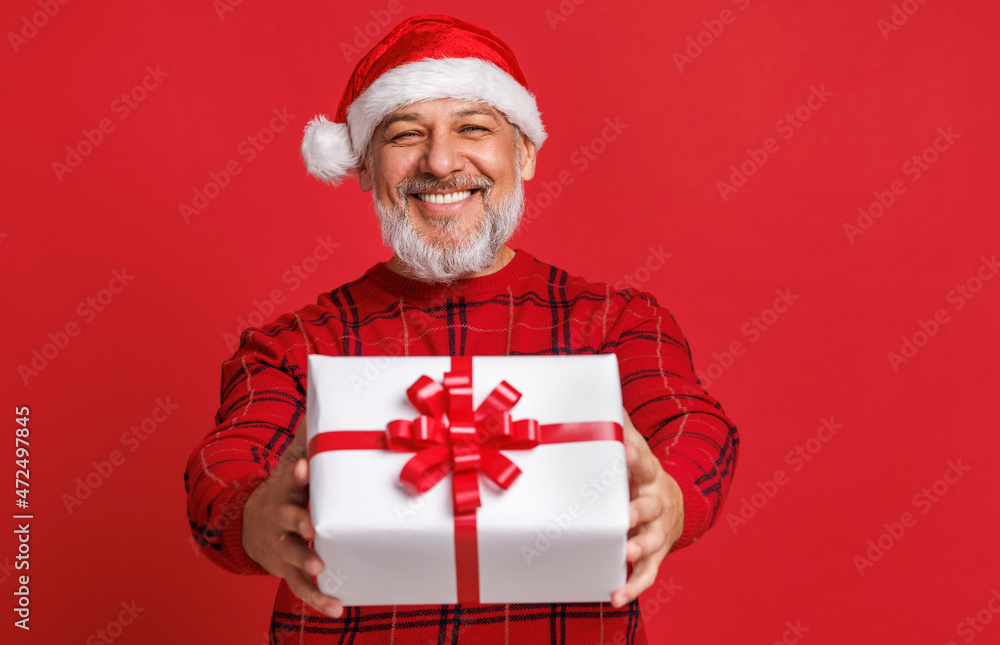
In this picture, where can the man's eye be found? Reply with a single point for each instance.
(474, 127)
(404, 135)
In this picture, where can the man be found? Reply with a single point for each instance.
(438, 124)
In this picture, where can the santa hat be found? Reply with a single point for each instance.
(424, 58)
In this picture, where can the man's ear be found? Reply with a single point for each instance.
(526, 150)
(365, 175)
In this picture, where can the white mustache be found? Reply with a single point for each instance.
(456, 183)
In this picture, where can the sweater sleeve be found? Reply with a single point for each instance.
(685, 427)
(263, 395)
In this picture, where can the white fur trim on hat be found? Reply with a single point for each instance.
(326, 150)
(330, 154)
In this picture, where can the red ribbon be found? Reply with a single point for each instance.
(451, 436)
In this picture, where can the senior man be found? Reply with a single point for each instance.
(437, 122)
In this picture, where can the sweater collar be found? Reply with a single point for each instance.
(416, 290)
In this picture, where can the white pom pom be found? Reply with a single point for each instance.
(326, 150)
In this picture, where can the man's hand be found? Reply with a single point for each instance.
(657, 515)
(276, 526)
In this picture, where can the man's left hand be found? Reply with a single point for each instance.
(657, 515)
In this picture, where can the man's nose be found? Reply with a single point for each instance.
(442, 156)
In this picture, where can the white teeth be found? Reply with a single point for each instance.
(447, 198)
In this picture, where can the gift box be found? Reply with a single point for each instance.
(440, 480)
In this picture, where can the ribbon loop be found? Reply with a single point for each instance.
(502, 399)
(425, 469)
(427, 396)
(498, 468)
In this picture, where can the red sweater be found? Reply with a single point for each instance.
(528, 307)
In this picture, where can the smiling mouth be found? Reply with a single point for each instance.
(444, 198)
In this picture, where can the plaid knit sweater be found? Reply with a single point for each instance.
(528, 307)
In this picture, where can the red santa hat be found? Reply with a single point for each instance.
(424, 58)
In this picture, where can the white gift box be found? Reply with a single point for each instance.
(557, 534)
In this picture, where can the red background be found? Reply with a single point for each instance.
(654, 184)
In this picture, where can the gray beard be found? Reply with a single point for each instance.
(442, 262)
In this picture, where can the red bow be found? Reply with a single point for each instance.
(449, 436)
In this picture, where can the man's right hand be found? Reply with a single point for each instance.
(276, 526)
